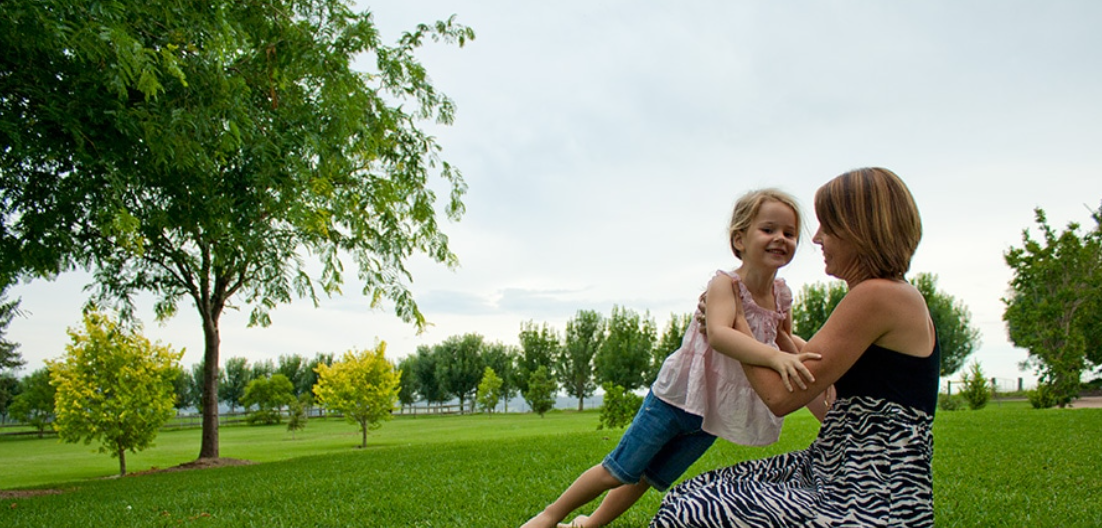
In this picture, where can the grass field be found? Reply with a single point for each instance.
(1006, 465)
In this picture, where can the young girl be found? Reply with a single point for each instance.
(701, 394)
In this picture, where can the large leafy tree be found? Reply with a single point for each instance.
(361, 385)
(202, 151)
(625, 355)
(1054, 306)
(574, 364)
(460, 367)
(953, 321)
(113, 386)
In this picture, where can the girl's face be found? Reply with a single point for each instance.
(771, 238)
(839, 255)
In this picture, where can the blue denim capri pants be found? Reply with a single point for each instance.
(659, 445)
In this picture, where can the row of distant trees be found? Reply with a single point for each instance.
(622, 348)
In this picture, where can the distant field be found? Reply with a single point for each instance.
(1007, 465)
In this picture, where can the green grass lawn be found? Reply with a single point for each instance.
(1006, 465)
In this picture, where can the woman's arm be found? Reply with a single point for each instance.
(724, 335)
(864, 315)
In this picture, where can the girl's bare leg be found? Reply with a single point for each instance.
(618, 501)
(588, 486)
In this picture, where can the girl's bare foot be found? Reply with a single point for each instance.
(540, 521)
(581, 521)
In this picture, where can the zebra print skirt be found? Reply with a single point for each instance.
(870, 466)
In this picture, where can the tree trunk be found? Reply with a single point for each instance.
(211, 342)
(363, 430)
(122, 462)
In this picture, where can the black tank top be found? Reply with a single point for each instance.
(887, 374)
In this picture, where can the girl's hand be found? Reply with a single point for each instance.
(791, 367)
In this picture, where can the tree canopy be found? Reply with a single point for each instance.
(952, 319)
(625, 355)
(574, 363)
(813, 306)
(35, 403)
(1054, 306)
(206, 151)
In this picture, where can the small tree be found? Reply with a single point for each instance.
(489, 390)
(619, 406)
(296, 415)
(976, 391)
(503, 359)
(362, 385)
(269, 395)
(35, 403)
(113, 386)
(541, 391)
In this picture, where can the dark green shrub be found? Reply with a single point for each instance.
(619, 406)
(1043, 398)
(949, 402)
(541, 391)
(976, 392)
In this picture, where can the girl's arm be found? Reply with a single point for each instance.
(724, 335)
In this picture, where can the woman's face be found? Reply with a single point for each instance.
(839, 255)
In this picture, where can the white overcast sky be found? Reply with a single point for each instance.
(604, 143)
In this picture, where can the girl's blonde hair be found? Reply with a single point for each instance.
(872, 209)
(747, 207)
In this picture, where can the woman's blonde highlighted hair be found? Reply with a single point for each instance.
(872, 209)
(747, 207)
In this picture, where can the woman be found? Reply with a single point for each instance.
(871, 463)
